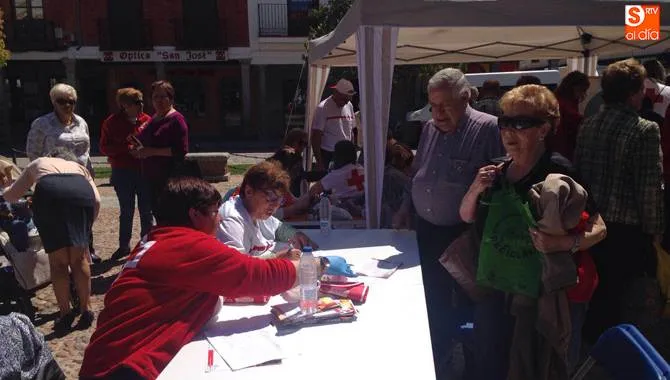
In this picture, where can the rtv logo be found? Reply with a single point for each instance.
(643, 22)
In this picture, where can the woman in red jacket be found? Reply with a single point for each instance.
(115, 133)
(170, 286)
(569, 93)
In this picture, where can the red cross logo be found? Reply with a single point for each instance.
(356, 180)
(654, 95)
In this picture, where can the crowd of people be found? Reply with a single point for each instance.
(469, 163)
(593, 187)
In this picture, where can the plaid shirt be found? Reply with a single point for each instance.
(490, 106)
(619, 155)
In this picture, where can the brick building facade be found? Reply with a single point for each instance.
(202, 47)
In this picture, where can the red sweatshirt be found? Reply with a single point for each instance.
(114, 139)
(167, 292)
(565, 139)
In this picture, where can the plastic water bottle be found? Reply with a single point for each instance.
(309, 283)
(324, 214)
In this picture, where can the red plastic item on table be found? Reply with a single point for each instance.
(256, 300)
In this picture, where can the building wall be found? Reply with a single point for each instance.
(64, 14)
(208, 93)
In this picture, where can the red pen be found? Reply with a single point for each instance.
(210, 359)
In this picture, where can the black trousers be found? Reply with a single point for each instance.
(326, 157)
(439, 287)
(626, 253)
(666, 234)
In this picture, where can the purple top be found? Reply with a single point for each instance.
(168, 132)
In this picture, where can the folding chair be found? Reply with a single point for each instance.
(625, 354)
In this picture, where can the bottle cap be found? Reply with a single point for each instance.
(307, 248)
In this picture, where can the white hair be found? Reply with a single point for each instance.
(474, 93)
(452, 79)
(60, 90)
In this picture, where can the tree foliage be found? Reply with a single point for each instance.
(4, 53)
(325, 18)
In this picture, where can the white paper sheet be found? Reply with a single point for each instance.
(377, 267)
(246, 349)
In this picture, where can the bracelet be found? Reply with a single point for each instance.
(576, 244)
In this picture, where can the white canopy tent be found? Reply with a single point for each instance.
(375, 35)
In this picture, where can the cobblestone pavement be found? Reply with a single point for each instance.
(69, 349)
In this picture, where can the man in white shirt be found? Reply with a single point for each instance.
(333, 121)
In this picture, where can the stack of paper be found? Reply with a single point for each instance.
(246, 349)
(328, 311)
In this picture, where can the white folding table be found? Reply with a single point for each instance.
(389, 340)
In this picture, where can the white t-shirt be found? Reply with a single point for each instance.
(239, 231)
(345, 182)
(659, 93)
(336, 123)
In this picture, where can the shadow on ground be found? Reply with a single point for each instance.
(100, 285)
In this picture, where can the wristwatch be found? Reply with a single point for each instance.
(576, 244)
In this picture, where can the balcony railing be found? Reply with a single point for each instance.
(206, 34)
(282, 20)
(25, 35)
(118, 36)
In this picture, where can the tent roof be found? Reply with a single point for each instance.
(438, 31)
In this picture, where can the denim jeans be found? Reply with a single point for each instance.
(128, 184)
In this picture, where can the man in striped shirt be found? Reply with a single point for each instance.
(334, 121)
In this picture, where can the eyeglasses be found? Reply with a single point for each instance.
(519, 122)
(210, 211)
(139, 102)
(272, 196)
(63, 102)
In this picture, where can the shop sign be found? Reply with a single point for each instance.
(164, 56)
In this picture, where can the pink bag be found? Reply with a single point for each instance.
(355, 291)
(459, 259)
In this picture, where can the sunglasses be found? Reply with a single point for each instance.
(139, 102)
(519, 122)
(63, 102)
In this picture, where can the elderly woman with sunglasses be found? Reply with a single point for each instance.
(247, 221)
(61, 128)
(115, 136)
(530, 112)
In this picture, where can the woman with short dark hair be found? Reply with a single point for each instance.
(170, 287)
(163, 143)
(247, 221)
(570, 93)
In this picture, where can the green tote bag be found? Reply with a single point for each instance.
(508, 261)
